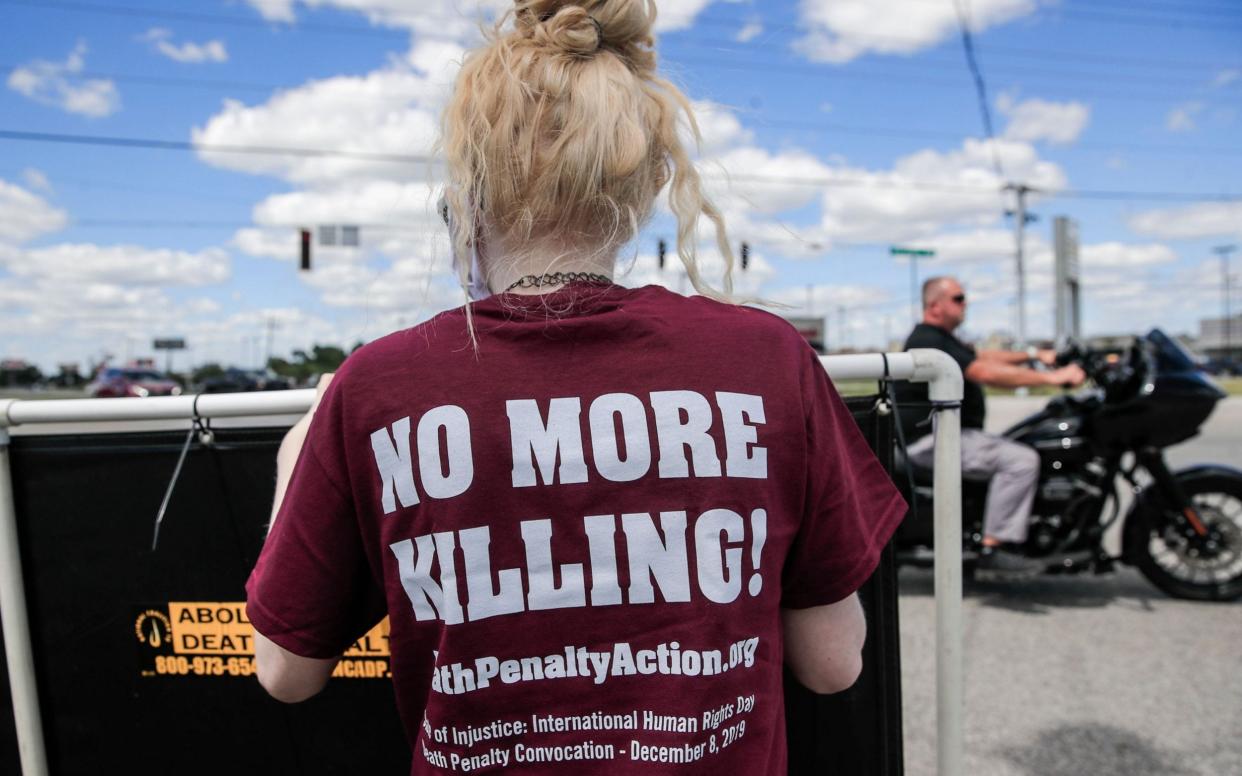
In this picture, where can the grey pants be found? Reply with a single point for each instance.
(1014, 469)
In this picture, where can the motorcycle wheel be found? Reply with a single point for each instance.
(1192, 568)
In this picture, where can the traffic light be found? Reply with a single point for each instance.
(745, 256)
(306, 250)
(661, 249)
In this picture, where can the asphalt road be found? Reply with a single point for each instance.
(1085, 676)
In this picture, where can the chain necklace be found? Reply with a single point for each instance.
(559, 278)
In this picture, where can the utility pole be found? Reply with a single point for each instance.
(1020, 219)
(271, 328)
(1224, 252)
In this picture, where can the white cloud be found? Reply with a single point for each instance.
(929, 190)
(1204, 219)
(108, 266)
(275, 10)
(1034, 120)
(377, 203)
(24, 216)
(1116, 255)
(442, 18)
(1182, 117)
(765, 182)
(282, 244)
(386, 113)
(839, 31)
(36, 179)
(718, 127)
(973, 246)
(49, 83)
(187, 52)
(1226, 77)
(405, 285)
(749, 32)
(402, 264)
(679, 14)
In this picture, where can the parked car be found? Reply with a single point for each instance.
(1222, 367)
(116, 382)
(235, 380)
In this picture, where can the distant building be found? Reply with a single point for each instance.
(18, 372)
(1216, 340)
(813, 329)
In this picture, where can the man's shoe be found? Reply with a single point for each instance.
(999, 563)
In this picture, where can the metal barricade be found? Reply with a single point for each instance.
(94, 620)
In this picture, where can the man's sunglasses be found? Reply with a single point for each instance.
(959, 298)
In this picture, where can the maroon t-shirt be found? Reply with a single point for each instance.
(583, 535)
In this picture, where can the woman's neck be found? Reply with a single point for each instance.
(504, 268)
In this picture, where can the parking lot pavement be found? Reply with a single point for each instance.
(1080, 676)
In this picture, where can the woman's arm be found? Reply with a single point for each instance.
(823, 644)
(288, 677)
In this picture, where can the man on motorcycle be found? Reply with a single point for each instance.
(1013, 468)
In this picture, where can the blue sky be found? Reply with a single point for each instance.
(832, 129)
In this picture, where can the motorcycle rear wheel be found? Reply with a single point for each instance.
(1184, 567)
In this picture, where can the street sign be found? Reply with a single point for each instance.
(169, 344)
(915, 254)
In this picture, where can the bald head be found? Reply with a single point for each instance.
(944, 302)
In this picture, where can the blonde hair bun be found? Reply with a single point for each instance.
(572, 30)
(582, 27)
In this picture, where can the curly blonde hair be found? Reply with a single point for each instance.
(560, 135)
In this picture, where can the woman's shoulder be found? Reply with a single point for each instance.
(400, 346)
(737, 320)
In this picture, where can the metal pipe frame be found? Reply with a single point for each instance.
(938, 370)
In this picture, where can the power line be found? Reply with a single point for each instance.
(804, 70)
(132, 11)
(946, 64)
(1056, 11)
(826, 182)
(202, 18)
(933, 134)
(981, 90)
(1174, 9)
(169, 81)
(904, 77)
(257, 87)
(1163, 23)
(183, 145)
(706, 20)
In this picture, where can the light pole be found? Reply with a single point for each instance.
(1224, 252)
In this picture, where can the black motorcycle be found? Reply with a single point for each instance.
(1183, 529)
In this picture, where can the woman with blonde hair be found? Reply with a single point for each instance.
(600, 519)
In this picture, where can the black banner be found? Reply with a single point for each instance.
(144, 661)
